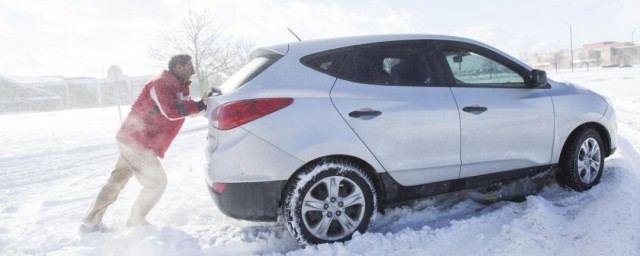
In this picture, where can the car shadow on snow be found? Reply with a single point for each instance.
(440, 211)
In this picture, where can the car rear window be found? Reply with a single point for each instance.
(248, 72)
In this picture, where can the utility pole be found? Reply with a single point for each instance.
(115, 75)
(633, 45)
(571, 41)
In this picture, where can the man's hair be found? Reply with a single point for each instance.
(179, 59)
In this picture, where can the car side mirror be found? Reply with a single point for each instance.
(538, 78)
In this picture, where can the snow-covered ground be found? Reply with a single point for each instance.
(53, 164)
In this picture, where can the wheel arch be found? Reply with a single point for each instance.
(599, 128)
(366, 167)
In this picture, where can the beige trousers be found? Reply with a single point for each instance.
(148, 171)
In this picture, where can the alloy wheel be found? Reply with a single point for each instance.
(589, 160)
(333, 208)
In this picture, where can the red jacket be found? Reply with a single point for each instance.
(158, 114)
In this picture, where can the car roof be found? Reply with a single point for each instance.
(318, 45)
(365, 39)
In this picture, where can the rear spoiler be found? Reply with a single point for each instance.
(280, 49)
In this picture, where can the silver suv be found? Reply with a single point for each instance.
(325, 133)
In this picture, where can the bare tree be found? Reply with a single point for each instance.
(598, 57)
(584, 58)
(555, 59)
(490, 66)
(213, 55)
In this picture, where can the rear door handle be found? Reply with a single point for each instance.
(475, 109)
(365, 113)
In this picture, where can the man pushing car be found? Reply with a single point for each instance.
(154, 121)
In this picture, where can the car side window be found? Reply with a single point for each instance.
(328, 62)
(472, 69)
(402, 64)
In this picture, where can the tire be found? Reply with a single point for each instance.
(328, 202)
(583, 161)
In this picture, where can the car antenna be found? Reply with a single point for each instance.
(294, 34)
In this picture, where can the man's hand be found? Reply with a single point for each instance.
(205, 96)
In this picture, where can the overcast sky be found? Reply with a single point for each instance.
(83, 38)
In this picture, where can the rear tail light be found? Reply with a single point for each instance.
(233, 114)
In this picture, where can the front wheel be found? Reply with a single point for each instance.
(329, 202)
(583, 161)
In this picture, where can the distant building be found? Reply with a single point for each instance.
(58, 92)
(601, 54)
(16, 97)
(20, 94)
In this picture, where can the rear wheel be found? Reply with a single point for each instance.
(583, 161)
(329, 202)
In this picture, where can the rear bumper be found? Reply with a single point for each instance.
(255, 201)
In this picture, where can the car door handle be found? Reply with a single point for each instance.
(365, 113)
(475, 109)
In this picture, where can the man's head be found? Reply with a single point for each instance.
(181, 66)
